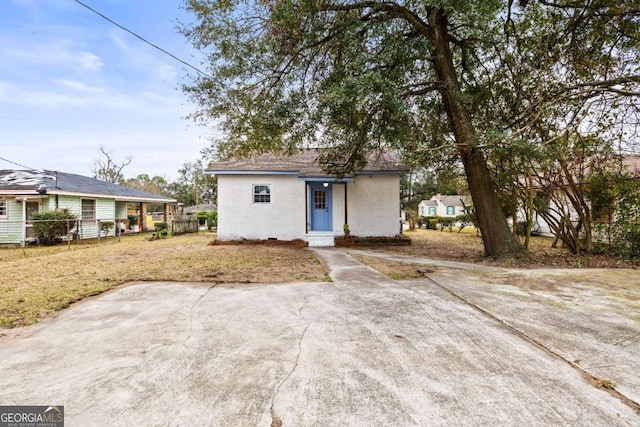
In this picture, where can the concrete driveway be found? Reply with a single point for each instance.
(360, 351)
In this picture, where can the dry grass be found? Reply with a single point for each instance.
(40, 280)
(467, 247)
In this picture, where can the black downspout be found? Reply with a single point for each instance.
(346, 220)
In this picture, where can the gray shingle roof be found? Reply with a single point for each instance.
(453, 200)
(200, 208)
(52, 182)
(303, 163)
(448, 200)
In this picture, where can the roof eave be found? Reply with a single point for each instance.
(249, 172)
(110, 196)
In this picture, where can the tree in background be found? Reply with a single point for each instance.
(109, 170)
(428, 78)
(193, 186)
(155, 185)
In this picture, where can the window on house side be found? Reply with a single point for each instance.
(451, 210)
(432, 211)
(261, 194)
(3, 208)
(88, 209)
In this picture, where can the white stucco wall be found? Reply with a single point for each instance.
(374, 205)
(239, 218)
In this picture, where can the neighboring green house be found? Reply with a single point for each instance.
(25, 192)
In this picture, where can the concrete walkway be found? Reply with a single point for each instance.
(360, 351)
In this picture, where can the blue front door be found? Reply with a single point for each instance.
(320, 207)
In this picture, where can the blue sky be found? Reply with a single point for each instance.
(71, 82)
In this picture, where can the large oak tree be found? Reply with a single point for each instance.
(428, 78)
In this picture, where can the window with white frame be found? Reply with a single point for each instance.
(262, 193)
(88, 209)
(3, 208)
(451, 210)
(433, 211)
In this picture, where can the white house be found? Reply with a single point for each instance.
(448, 205)
(290, 197)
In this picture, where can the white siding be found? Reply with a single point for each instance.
(239, 218)
(105, 210)
(11, 226)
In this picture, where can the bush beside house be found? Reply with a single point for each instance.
(50, 226)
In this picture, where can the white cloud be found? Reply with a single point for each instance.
(118, 41)
(60, 53)
(89, 61)
(80, 86)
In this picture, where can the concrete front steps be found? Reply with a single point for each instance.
(320, 239)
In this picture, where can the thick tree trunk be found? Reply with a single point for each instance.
(497, 238)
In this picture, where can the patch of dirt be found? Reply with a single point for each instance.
(297, 243)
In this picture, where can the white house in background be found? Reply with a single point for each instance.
(290, 197)
(448, 205)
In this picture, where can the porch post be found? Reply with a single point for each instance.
(143, 215)
(24, 222)
(166, 213)
(306, 207)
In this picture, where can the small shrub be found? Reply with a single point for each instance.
(627, 241)
(463, 221)
(432, 222)
(159, 226)
(50, 226)
(133, 220)
(106, 226)
(446, 222)
(212, 219)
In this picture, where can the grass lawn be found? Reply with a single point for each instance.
(467, 247)
(37, 281)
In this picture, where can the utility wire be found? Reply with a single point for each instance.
(143, 39)
(17, 164)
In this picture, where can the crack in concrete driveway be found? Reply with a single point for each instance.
(363, 351)
(275, 420)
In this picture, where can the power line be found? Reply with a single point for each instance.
(17, 164)
(143, 39)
